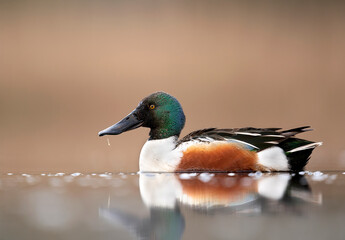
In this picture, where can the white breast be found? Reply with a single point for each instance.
(160, 155)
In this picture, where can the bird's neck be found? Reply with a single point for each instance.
(163, 133)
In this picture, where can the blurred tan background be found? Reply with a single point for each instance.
(71, 68)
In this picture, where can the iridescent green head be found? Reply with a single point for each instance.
(160, 112)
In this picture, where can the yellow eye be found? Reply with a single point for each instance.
(152, 106)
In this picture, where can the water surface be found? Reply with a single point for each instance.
(305, 205)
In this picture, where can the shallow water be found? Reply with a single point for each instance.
(306, 205)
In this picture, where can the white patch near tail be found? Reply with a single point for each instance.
(305, 147)
(273, 158)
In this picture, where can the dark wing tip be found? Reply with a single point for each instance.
(294, 131)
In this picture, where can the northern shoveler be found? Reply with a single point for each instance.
(211, 149)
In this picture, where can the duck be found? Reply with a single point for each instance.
(247, 149)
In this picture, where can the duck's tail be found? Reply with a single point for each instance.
(298, 152)
(291, 154)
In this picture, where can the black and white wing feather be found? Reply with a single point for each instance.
(258, 138)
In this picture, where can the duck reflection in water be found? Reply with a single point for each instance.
(167, 195)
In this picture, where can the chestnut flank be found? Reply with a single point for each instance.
(218, 157)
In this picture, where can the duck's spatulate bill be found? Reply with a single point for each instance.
(128, 123)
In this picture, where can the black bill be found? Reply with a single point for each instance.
(128, 123)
